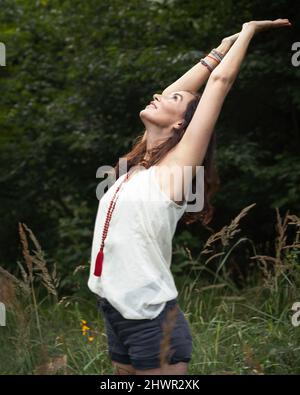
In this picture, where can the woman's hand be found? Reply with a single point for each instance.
(230, 39)
(259, 26)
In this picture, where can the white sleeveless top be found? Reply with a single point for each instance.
(136, 277)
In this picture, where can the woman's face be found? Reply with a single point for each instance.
(167, 110)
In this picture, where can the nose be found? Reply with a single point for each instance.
(156, 96)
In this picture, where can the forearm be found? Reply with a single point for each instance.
(231, 63)
(195, 77)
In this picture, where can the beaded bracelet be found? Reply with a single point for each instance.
(212, 57)
(217, 56)
(206, 65)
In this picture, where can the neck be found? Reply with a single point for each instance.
(155, 136)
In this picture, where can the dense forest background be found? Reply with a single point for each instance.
(76, 76)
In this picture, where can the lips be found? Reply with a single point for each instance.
(153, 104)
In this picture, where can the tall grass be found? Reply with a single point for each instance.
(236, 330)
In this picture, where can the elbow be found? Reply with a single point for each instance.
(221, 77)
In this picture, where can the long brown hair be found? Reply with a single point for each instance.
(211, 178)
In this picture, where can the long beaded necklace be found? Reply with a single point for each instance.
(100, 255)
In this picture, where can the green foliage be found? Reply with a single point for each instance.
(234, 332)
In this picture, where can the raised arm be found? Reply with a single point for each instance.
(191, 149)
(196, 76)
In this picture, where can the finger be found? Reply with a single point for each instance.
(285, 24)
(281, 20)
(281, 23)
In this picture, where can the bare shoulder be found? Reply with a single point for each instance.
(177, 161)
(170, 175)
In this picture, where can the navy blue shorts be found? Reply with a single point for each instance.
(147, 343)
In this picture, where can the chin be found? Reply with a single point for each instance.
(145, 114)
(148, 117)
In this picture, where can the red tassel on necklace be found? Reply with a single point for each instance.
(100, 255)
(99, 263)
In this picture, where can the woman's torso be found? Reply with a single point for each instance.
(136, 276)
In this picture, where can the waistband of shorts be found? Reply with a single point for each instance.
(104, 300)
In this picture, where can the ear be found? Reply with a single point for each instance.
(178, 125)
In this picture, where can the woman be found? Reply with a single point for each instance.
(131, 255)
